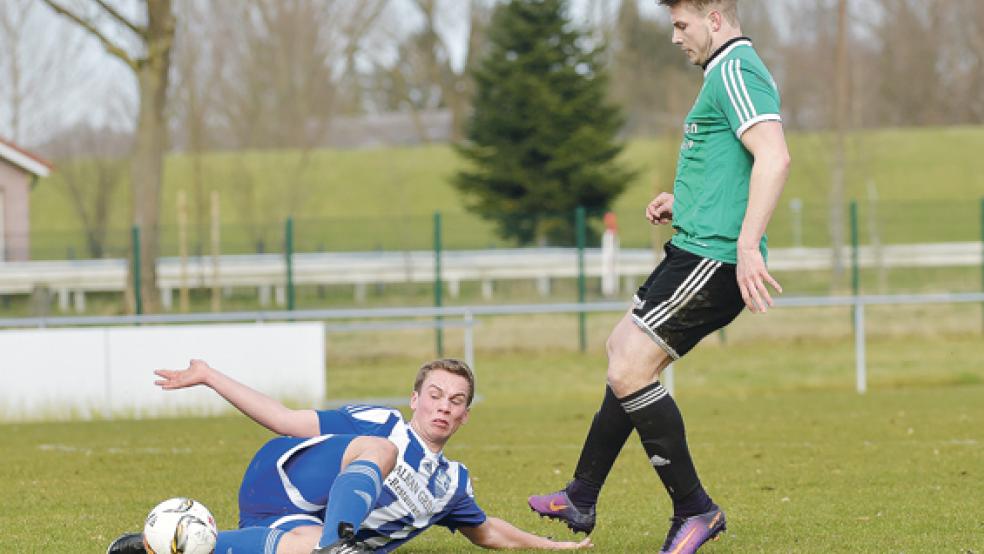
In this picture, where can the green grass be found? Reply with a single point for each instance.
(800, 461)
(928, 182)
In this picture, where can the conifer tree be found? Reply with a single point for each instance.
(542, 139)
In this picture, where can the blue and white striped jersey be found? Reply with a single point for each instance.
(424, 488)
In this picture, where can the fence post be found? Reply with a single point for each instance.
(855, 268)
(860, 363)
(289, 253)
(438, 290)
(580, 224)
(137, 294)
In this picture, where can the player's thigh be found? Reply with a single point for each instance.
(378, 450)
(634, 359)
(300, 540)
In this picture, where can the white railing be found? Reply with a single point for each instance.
(71, 280)
(384, 319)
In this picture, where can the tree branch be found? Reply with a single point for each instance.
(110, 47)
(139, 30)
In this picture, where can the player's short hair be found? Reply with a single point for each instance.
(450, 365)
(728, 8)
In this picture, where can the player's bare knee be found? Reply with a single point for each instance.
(378, 450)
(388, 454)
(620, 379)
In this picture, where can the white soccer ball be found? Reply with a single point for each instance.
(180, 526)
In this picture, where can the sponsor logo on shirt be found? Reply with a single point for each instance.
(407, 485)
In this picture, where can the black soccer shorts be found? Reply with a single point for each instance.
(686, 298)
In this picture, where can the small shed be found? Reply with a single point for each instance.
(19, 169)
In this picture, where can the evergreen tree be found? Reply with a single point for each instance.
(542, 138)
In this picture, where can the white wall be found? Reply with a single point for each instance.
(99, 372)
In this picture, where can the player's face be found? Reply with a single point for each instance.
(440, 407)
(692, 32)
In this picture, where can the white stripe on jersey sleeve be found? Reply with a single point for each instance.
(744, 89)
(751, 122)
(736, 101)
(374, 415)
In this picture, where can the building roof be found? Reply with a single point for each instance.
(31, 163)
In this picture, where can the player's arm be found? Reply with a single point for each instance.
(498, 533)
(261, 408)
(767, 144)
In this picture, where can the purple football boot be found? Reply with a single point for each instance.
(687, 534)
(557, 505)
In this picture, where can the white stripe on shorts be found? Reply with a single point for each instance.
(697, 279)
(691, 293)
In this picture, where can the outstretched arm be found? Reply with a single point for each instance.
(767, 145)
(261, 408)
(498, 533)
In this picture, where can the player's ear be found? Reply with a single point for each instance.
(715, 18)
(413, 400)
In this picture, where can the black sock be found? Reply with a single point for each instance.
(697, 502)
(660, 425)
(609, 430)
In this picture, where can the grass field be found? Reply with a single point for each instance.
(928, 183)
(800, 461)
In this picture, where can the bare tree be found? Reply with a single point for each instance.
(910, 70)
(147, 52)
(280, 78)
(38, 77)
(92, 172)
(193, 101)
(423, 75)
(650, 78)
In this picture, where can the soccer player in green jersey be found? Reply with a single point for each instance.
(732, 168)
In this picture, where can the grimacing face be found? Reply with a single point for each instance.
(440, 408)
(692, 32)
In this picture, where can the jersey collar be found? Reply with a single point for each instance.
(436, 456)
(723, 51)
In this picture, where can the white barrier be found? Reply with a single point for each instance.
(72, 279)
(108, 371)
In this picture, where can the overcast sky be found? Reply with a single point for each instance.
(107, 95)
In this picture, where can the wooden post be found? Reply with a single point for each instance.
(183, 300)
(216, 290)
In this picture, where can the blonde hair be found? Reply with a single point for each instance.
(728, 8)
(450, 365)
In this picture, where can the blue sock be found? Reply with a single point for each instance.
(249, 540)
(351, 498)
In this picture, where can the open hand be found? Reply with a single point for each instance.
(195, 374)
(752, 278)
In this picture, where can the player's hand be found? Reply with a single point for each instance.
(752, 278)
(171, 379)
(660, 210)
(571, 545)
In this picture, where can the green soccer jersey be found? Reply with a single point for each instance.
(711, 186)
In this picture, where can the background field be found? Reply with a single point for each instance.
(800, 461)
(912, 185)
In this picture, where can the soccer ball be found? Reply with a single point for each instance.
(180, 526)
